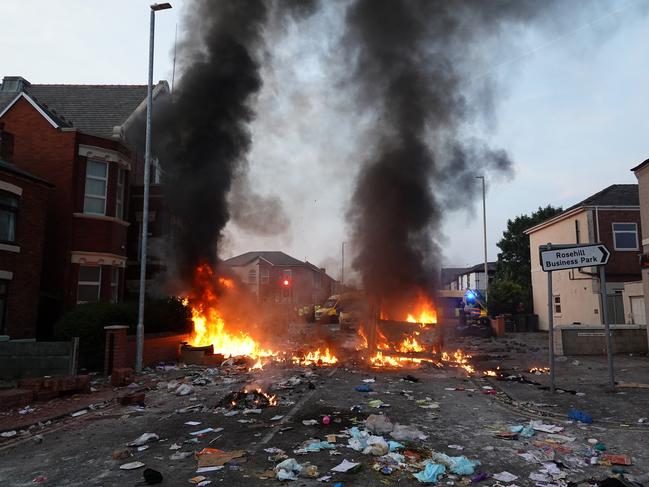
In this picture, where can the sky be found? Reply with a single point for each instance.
(570, 110)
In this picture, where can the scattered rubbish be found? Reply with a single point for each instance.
(331, 438)
(326, 420)
(8, 434)
(369, 381)
(184, 390)
(131, 466)
(580, 416)
(309, 422)
(480, 477)
(310, 446)
(546, 428)
(617, 459)
(121, 454)
(379, 424)
(395, 445)
(204, 431)
(524, 431)
(252, 411)
(505, 476)
(600, 447)
(152, 477)
(289, 469)
(410, 378)
(386, 470)
(192, 423)
(310, 471)
(430, 473)
(215, 468)
(363, 388)
(189, 409)
(377, 403)
(277, 417)
(197, 480)
(324, 478)
(456, 447)
(458, 465)
(26, 410)
(143, 447)
(405, 432)
(40, 479)
(210, 457)
(175, 446)
(79, 413)
(245, 399)
(346, 467)
(181, 455)
(144, 438)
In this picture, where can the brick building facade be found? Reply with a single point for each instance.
(73, 136)
(23, 206)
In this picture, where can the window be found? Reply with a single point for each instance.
(114, 284)
(119, 197)
(8, 210)
(6, 146)
(96, 182)
(287, 274)
(557, 305)
(252, 276)
(625, 236)
(89, 284)
(3, 306)
(264, 276)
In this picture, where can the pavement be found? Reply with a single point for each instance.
(460, 415)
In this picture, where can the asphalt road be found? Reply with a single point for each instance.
(78, 451)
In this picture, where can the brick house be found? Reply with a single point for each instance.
(265, 272)
(23, 206)
(73, 136)
(612, 217)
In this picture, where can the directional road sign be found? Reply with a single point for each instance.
(573, 256)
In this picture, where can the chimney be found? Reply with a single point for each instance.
(14, 84)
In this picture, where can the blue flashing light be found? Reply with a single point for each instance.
(469, 295)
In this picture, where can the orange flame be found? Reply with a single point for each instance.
(316, 358)
(424, 313)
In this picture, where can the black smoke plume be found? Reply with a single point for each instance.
(201, 131)
(411, 66)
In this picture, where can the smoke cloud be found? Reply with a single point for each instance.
(411, 67)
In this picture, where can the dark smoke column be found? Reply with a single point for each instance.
(408, 68)
(201, 131)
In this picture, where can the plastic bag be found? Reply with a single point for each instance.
(406, 432)
(430, 473)
(379, 424)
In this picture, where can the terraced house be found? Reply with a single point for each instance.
(71, 140)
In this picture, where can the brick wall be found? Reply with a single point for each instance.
(157, 348)
(623, 266)
(23, 289)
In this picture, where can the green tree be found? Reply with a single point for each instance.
(506, 296)
(514, 264)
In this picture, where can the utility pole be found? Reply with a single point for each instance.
(484, 231)
(342, 269)
(147, 184)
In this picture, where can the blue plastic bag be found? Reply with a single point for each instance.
(430, 473)
(580, 416)
(363, 388)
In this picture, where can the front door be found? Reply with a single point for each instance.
(637, 309)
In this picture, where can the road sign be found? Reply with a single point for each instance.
(556, 258)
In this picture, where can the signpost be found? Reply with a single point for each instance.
(573, 256)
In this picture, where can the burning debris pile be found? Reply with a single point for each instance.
(248, 399)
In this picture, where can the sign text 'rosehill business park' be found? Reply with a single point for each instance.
(566, 257)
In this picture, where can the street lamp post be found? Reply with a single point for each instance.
(342, 269)
(484, 230)
(147, 183)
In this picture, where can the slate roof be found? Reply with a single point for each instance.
(614, 195)
(93, 109)
(449, 274)
(274, 257)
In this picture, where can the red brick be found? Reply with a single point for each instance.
(45, 395)
(34, 384)
(15, 398)
(121, 377)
